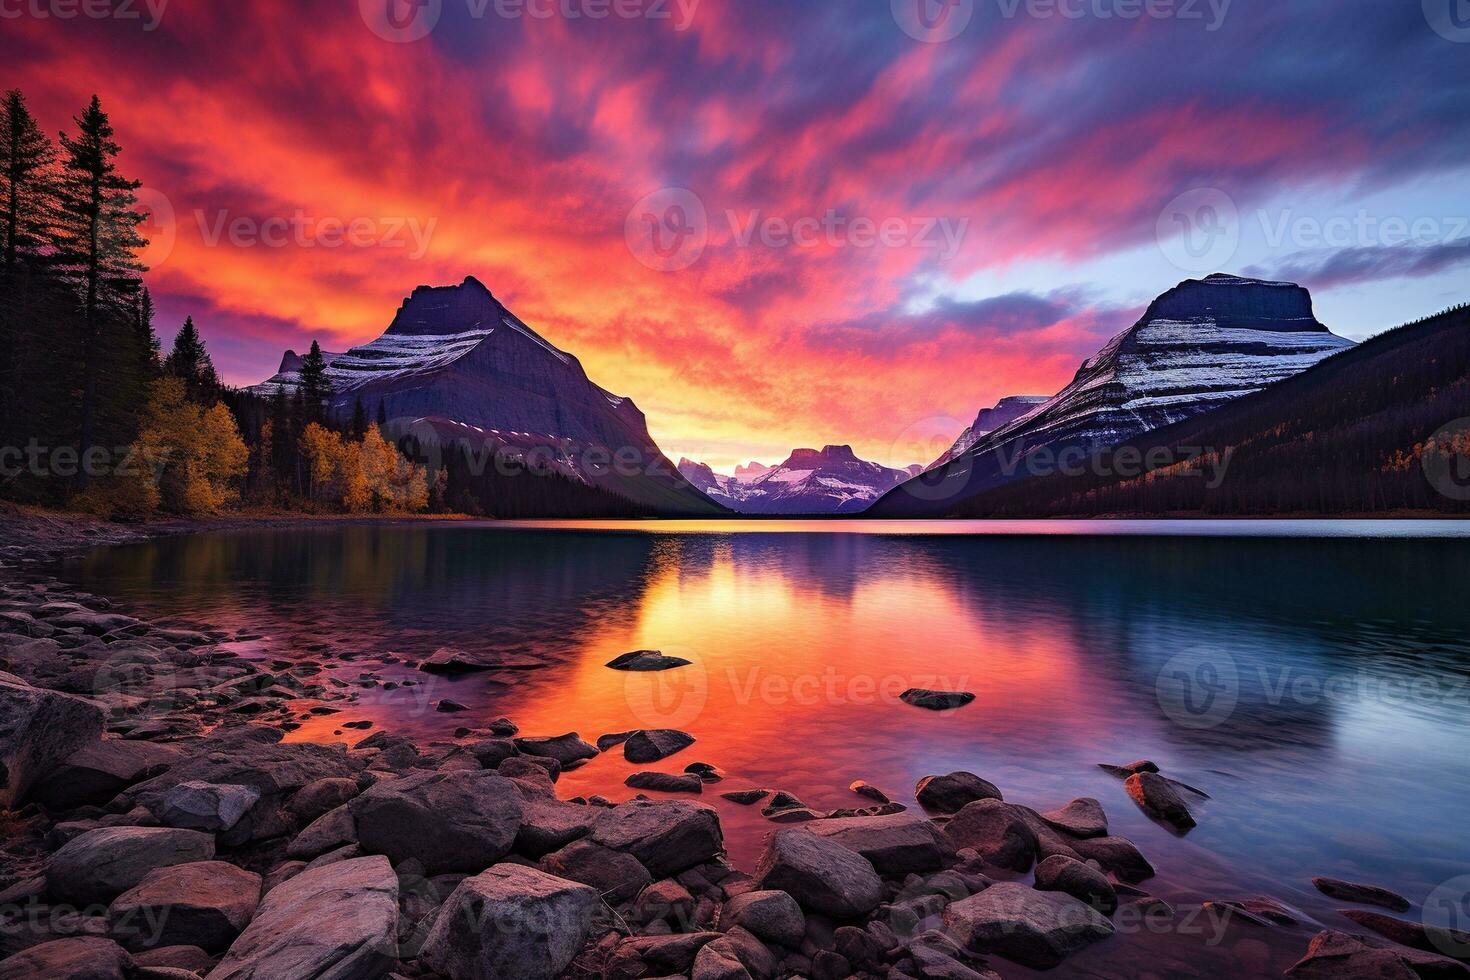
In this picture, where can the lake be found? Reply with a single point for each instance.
(1312, 677)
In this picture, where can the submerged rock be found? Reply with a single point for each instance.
(1333, 955)
(510, 922)
(651, 745)
(745, 797)
(451, 660)
(644, 660)
(1349, 891)
(1157, 795)
(567, 749)
(936, 700)
(663, 782)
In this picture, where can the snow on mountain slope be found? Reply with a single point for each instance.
(831, 480)
(750, 471)
(1199, 345)
(456, 355)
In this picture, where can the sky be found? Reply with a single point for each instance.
(773, 223)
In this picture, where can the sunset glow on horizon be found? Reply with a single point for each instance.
(884, 232)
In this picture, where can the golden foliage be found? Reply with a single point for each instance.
(362, 477)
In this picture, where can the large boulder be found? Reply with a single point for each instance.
(459, 821)
(653, 744)
(206, 905)
(510, 923)
(101, 864)
(337, 922)
(567, 750)
(821, 874)
(77, 958)
(1082, 817)
(616, 875)
(665, 836)
(206, 806)
(39, 730)
(997, 831)
(1082, 881)
(98, 771)
(1334, 955)
(950, 793)
(894, 844)
(1157, 796)
(549, 824)
(1035, 929)
(1116, 854)
(326, 833)
(770, 915)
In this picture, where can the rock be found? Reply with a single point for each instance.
(642, 660)
(98, 771)
(206, 904)
(1123, 772)
(1334, 955)
(322, 796)
(951, 793)
(448, 706)
(656, 956)
(206, 806)
(39, 730)
(718, 961)
(567, 749)
(190, 958)
(447, 821)
(326, 833)
(510, 922)
(77, 958)
(782, 800)
(821, 874)
(548, 824)
(617, 876)
(339, 921)
(936, 700)
(1035, 929)
(864, 788)
(997, 832)
(102, 864)
(449, 660)
(663, 782)
(768, 914)
(894, 845)
(666, 836)
(706, 772)
(1416, 935)
(612, 740)
(1082, 881)
(1349, 891)
(667, 900)
(651, 745)
(1157, 796)
(937, 964)
(1082, 817)
(1255, 911)
(745, 797)
(491, 752)
(1118, 855)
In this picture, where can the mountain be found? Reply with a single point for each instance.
(1198, 346)
(831, 480)
(1378, 429)
(1006, 411)
(456, 367)
(750, 471)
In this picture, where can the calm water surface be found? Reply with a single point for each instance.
(1310, 676)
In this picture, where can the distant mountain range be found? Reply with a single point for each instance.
(1198, 346)
(831, 480)
(1006, 411)
(457, 368)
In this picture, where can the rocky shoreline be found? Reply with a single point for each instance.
(156, 824)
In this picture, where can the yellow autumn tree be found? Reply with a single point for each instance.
(196, 455)
(362, 477)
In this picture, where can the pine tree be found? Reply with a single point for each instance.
(314, 385)
(359, 420)
(189, 361)
(97, 242)
(27, 190)
(150, 350)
